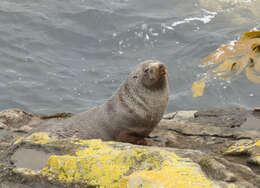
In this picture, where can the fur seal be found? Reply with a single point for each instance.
(128, 116)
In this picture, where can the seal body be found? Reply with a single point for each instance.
(128, 116)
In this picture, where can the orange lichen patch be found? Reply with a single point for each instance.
(230, 60)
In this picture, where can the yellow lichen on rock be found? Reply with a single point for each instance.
(108, 164)
(169, 176)
(26, 171)
(103, 165)
(237, 149)
(37, 138)
(242, 147)
(257, 143)
(98, 164)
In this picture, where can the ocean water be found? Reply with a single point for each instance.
(71, 55)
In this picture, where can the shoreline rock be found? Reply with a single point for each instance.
(209, 148)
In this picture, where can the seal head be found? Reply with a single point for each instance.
(151, 74)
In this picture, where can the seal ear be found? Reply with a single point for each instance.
(135, 76)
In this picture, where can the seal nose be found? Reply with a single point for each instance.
(161, 66)
(162, 69)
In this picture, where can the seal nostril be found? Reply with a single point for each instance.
(161, 66)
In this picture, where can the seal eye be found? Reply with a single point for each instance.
(146, 70)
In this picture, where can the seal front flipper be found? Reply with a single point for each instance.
(131, 137)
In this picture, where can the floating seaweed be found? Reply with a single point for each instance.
(232, 59)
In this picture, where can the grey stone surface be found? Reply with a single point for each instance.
(226, 154)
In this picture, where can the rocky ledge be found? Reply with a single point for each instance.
(188, 149)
